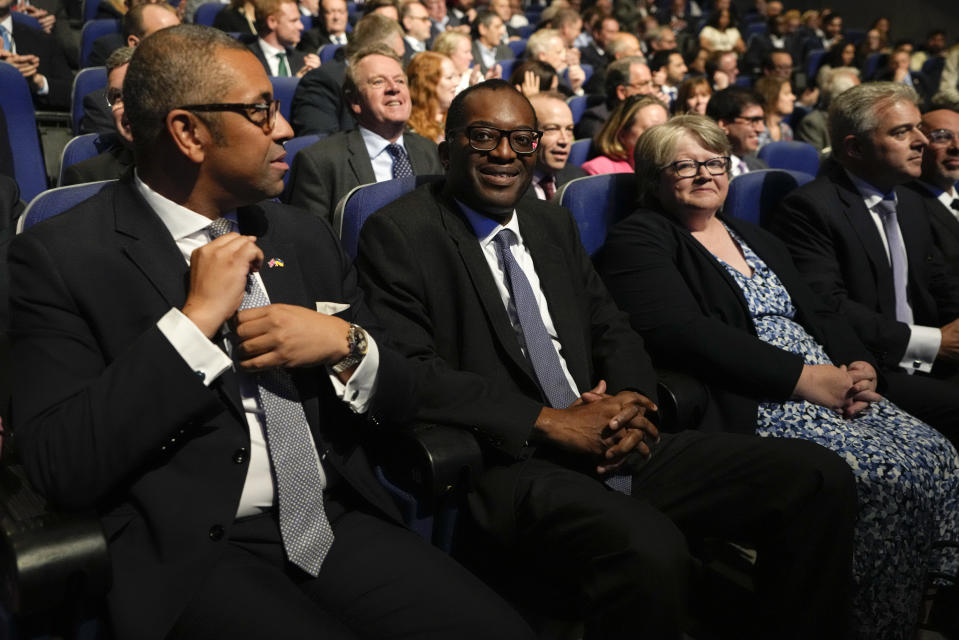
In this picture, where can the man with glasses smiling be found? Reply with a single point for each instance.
(739, 113)
(494, 294)
(200, 368)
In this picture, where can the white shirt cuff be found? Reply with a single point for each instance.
(206, 359)
(922, 348)
(45, 88)
(361, 386)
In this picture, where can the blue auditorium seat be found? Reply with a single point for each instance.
(596, 203)
(754, 196)
(17, 105)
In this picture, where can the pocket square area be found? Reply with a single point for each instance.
(330, 308)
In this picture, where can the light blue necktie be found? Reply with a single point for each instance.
(307, 535)
(898, 258)
(5, 37)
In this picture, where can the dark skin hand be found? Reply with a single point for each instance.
(607, 427)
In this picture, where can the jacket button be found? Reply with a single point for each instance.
(239, 456)
(216, 533)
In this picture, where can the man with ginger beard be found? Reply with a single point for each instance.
(200, 368)
(556, 122)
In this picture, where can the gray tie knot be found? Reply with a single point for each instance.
(219, 227)
(886, 207)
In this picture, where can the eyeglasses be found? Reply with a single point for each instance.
(114, 96)
(754, 120)
(941, 136)
(484, 138)
(690, 168)
(262, 114)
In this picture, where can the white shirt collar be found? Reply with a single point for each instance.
(870, 194)
(375, 143)
(269, 51)
(179, 221)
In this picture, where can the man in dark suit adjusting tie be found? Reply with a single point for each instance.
(863, 243)
(937, 184)
(233, 489)
(378, 149)
(495, 296)
(278, 27)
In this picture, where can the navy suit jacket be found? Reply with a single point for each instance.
(53, 65)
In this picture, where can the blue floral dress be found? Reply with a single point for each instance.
(907, 474)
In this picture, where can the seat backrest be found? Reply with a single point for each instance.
(86, 81)
(587, 71)
(871, 65)
(294, 145)
(79, 149)
(206, 13)
(90, 32)
(17, 107)
(24, 19)
(506, 68)
(328, 51)
(90, 9)
(356, 206)
(518, 47)
(283, 90)
(55, 201)
(814, 60)
(578, 105)
(792, 155)
(932, 69)
(598, 202)
(579, 152)
(754, 196)
(755, 29)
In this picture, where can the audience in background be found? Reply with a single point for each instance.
(615, 142)
(278, 28)
(433, 80)
(237, 17)
(778, 102)
(814, 128)
(329, 27)
(555, 120)
(739, 113)
(693, 96)
(721, 34)
(937, 184)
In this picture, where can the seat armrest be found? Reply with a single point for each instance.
(683, 400)
(47, 558)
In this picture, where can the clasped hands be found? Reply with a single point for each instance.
(845, 389)
(608, 427)
(276, 335)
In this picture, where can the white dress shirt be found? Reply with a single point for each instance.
(486, 229)
(380, 158)
(209, 360)
(270, 52)
(488, 55)
(924, 341)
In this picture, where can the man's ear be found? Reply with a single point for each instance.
(620, 92)
(272, 23)
(444, 152)
(724, 125)
(189, 134)
(132, 40)
(852, 147)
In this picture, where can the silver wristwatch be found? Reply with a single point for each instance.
(358, 346)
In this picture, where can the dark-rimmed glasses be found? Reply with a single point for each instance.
(262, 114)
(690, 168)
(486, 138)
(751, 120)
(114, 96)
(942, 136)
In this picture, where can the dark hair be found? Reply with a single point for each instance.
(617, 74)
(660, 59)
(133, 19)
(372, 5)
(456, 116)
(729, 103)
(484, 17)
(768, 58)
(171, 68)
(713, 20)
(687, 89)
(543, 71)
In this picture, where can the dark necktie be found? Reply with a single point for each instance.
(539, 346)
(401, 162)
(307, 535)
(897, 258)
(282, 70)
(955, 204)
(548, 183)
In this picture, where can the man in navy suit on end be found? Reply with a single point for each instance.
(196, 363)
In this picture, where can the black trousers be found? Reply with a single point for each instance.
(626, 556)
(935, 401)
(378, 581)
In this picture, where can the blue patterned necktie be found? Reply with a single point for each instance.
(401, 162)
(307, 535)
(539, 346)
(897, 258)
(5, 37)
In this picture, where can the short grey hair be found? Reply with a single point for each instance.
(539, 42)
(118, 58)
(839, 80)
(656, 149)
(855, 112)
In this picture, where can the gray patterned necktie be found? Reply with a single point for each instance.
(539, 346)
(307, 535)
(897, 258)
(401, 161)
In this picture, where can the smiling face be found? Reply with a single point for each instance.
(940, 161)
(383, 98)
(643, 119)
(490, 182)
(698, 196)
(743, 131)
(491, 34)
(556, 123)
(697, 102)
(786, 101)
(446, 87)
(462, 55)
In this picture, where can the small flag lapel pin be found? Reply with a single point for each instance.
(275, 262)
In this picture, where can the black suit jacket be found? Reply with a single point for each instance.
(103, 47)
(97, 115)
(428, 282)
(945, 227)
(590, 55)
(564, 175)
(53, 65)
(318, 104)
(592, 121)
(109, 165)
(327, 170)
(695, 319)
(109, 415)
(294, 58)
(838, 249)
(313, 38)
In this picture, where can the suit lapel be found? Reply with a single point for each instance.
(476, 266)
(358, 158)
